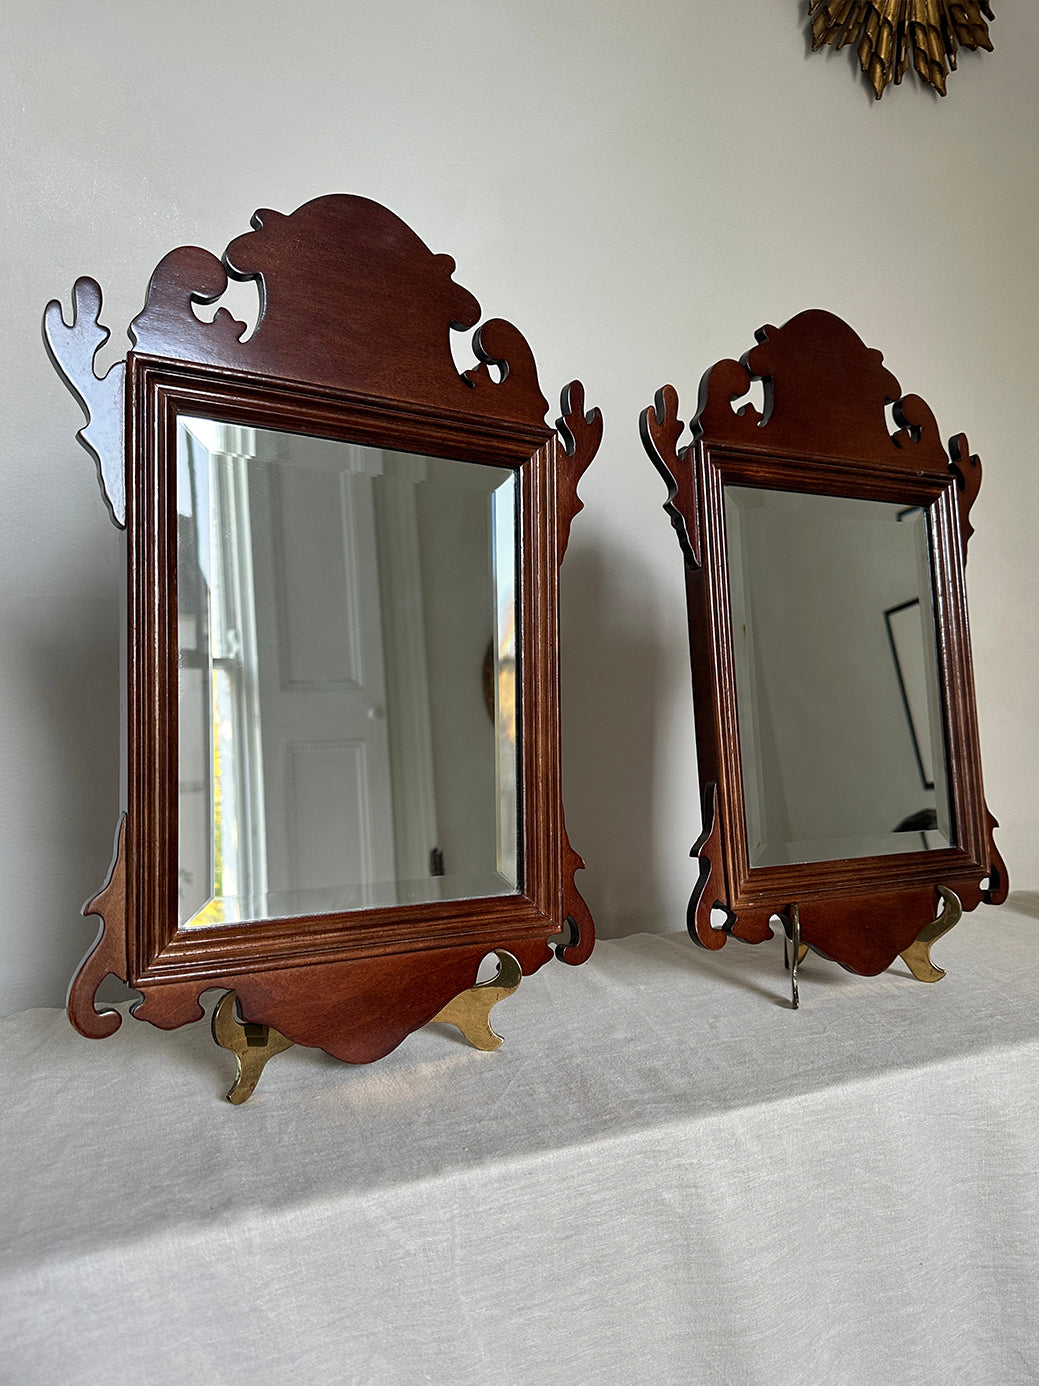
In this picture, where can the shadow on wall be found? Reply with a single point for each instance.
(610, 666)
(67, 682)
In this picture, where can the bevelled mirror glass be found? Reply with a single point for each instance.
(342, 765)
(836, 728)
(836, 659)
(347, 660)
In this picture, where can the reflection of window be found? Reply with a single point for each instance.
(222, 848)
(503, 526)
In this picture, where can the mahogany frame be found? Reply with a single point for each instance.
(352, 344)
(823, 431)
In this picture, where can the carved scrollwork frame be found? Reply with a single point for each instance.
(352, 342)
(823, 430)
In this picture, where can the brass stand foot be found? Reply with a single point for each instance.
(802, 953)
(794, 953)
(917, 957)
(252, 1046)
(470, 1010)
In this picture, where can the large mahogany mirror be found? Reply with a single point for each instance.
(342, 760)
(836, 730)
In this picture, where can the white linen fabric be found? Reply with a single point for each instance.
(664, 1176)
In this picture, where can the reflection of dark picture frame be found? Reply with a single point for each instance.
(903, 633)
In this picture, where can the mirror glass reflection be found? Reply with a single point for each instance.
(837, 688)
(348, 675)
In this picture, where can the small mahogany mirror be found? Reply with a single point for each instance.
(836, 729)
(342, 761)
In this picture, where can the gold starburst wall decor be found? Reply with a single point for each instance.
(889, 32)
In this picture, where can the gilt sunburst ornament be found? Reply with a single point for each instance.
(890, 32)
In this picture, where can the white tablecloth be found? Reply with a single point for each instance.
(665, 1176)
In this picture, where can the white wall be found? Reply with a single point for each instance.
(638, 188)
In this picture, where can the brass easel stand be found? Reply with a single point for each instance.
(252, 1045)
(917, 957)
(470, 1010)
(794, 952)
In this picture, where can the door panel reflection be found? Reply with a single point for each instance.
(337, 750)
(840, 717)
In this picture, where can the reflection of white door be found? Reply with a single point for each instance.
(321, 677)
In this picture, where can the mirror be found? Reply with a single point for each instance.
(342, 740)
(836, 729)
(339, 745)
(833, 761)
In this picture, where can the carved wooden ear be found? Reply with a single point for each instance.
(73, 349)
(575, 424)
(184, 276)
(917, 424)
(107, 955)
(661, 428)
(725, 382)
(581, 434)
(998, 886)
(966, 467)
(709, 891)
(499, 343)
(577, 916)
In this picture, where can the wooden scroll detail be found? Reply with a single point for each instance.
(725, 383)
(167, 325)
(169, 1007)
(820, 378)
(752, 926)
(392, 343)
(661, 429)
(581, 434)
(995, 893)
(966, 467)
(709, 891)
(108, 953)
(73, 349)
(497, 343)
(357, 1010)
(866, 932)
(574, 911)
